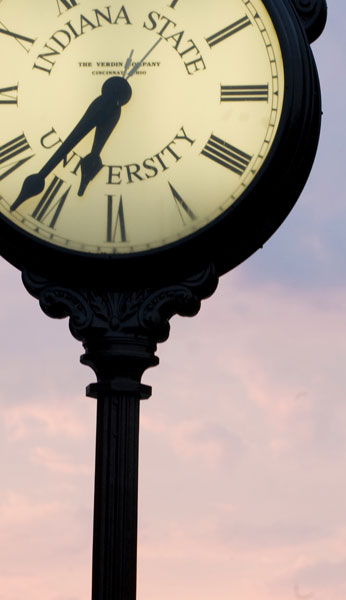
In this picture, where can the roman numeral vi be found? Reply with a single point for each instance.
(115, 223)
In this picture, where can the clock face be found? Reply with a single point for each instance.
(183, 126)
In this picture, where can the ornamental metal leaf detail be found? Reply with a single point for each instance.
(144, 312)
(115, 308)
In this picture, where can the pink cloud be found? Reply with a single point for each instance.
(57, 462)
(18, 509)
(52, 418)
(45, 548)
(191, 440)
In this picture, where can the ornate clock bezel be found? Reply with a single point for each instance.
(240, 230)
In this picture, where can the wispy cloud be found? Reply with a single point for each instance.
(51, 418)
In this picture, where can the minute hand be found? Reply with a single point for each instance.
(140, 62)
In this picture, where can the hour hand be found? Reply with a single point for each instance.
(92, 163)
(103, 113)
(34, 184)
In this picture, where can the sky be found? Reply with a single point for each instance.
(243, 443)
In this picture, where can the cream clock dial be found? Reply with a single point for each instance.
(130, 126)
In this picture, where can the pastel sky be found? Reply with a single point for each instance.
(243, 443)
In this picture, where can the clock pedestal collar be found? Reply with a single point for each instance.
(119, 332)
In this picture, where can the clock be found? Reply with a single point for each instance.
(141, 141)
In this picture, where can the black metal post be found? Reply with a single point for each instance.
(119, 331)
(118, 361)
(116, 493)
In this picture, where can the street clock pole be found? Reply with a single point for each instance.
(123, 202)
(119, 332)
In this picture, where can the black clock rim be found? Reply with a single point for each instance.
(237, 233)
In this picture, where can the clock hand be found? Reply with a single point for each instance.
(92, 163)
(34, 184)
(128, 63)
(103, 113)
(140, 62)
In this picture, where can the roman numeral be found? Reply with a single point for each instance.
(6, 95)
(23, 40)
(115, 223)
(183, 208)
(51, 204)
(64, 5)
(9, 151)
(225, 33)
(226, 155)
(173, 4)
(244, 93)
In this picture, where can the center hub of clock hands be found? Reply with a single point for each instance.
(116, 92)
(102, 115)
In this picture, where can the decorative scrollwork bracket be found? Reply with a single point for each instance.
(313, 14)
(120, 330)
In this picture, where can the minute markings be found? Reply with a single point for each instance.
(226, 155)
